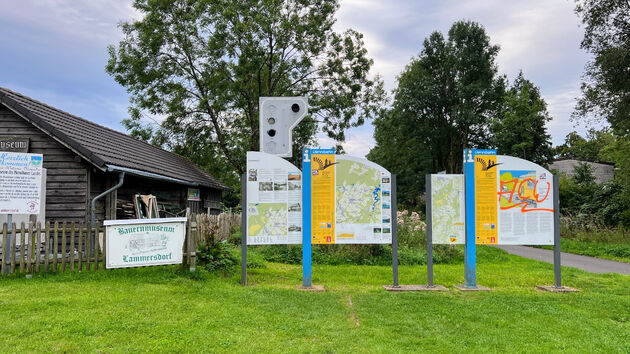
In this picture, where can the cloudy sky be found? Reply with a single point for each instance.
(55, 50)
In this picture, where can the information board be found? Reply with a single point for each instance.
(20, 183)
(525, 202)
(513, 201)
(351, 200)
(485, 196)
(144, 242)
(448, 209)
(274, 200)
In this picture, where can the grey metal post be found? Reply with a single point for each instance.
(9, 249)
(429, 214)
(244, 229)
(556, 233)
(394, 221)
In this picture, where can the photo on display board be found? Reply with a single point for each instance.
(265, 186)
(253, 175)
(280, 186)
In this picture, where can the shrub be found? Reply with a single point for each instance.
(216, 256)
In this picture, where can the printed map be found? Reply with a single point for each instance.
(448, 209)
(267, 219)
(358, 194)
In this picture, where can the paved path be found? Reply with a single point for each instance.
(589, 264)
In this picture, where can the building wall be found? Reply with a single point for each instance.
(601, 172)
(66, 182)
(171, 194)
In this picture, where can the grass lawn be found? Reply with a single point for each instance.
(613, 251)
(166, 309)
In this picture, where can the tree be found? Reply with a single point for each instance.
(443, 104)
(606, 90)
(588, 149)
(201, 66)
(520, 128)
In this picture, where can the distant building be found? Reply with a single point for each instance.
(603, 172)
(84, 159)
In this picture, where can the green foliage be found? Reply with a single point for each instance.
(588, 148)
(443, 104)
(589, 204)
(519, 129)
(216, 256)
(606, 90)
(201, 67)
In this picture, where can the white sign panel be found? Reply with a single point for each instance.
(144, 242)
(20, 183)
(274, 200)
(525, 202)
(448, 209)
(363, 204)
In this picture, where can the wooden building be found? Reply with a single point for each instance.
(84, 159)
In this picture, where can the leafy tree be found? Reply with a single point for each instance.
(201, 66)
(519, 129)
(606, 91)
(443, 104)
(577, 147)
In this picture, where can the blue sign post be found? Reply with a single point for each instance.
(470, 257)
(470, 253)
(307, 278)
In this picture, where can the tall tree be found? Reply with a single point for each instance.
(606, 90)
(200, 66)
(520, 128)
(443, 104)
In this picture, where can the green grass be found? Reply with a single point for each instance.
(613, 244)
(613, 251)
(167, 309)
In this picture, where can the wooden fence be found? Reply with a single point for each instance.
(61, 247)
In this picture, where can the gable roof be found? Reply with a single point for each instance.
(103, 147)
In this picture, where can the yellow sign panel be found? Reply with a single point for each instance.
(323, 199)
(486, 199)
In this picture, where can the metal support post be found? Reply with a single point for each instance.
(556, 233)
(394, 218)
(470, 257)
(307, 280)
(244, 229)
(429, 214)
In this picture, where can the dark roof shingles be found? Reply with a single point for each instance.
(110, 147)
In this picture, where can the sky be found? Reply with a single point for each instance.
(55, 51)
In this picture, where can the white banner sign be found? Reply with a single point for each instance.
(144, 242)
(274, 200)
(20, 183)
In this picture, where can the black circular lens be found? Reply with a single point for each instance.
(295, 107)
(271, 132)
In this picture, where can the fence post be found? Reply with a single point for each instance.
(29, 249)
(22, 246)
(47, 247)
(4, 249)
(38, 237)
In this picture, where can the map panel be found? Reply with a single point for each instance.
(448, 209)
(363, 211)
(267, 219)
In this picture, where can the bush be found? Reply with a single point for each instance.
(216, 256)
